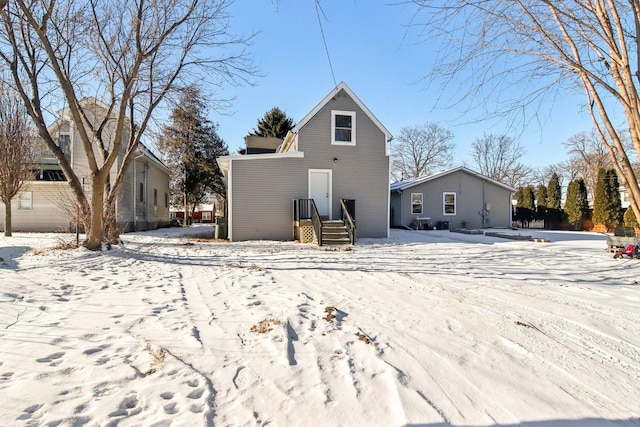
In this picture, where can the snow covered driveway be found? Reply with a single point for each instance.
(422, 328)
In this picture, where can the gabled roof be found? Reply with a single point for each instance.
(334, 92)
(402, 185)
(141, 148)
(144, 150)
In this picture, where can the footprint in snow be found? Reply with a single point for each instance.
(50, 358)
(241, 379)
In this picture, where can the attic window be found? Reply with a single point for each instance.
(343, 127)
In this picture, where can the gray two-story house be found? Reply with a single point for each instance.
(336, 156)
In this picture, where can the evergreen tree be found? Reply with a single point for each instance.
(529, 198)
(191, 146)
(554, 192)
(274, 123)
(577, 205)
(519, 197)
(607, 206)
(615, 207)
(541, 197)
(525, 206)
(630, 218)
(599, 201)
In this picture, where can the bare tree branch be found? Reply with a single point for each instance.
(498, 157)
(109, 65)
(18, 150)
(523, 52)
(421, 149)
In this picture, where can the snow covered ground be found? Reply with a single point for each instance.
(425, 328)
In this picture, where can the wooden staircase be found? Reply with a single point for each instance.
(334, 232)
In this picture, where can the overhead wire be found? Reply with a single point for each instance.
(324, 39)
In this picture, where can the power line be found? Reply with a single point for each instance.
(324, 40)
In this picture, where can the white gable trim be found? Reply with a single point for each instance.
(334, 92)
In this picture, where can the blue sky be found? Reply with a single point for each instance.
(383, 63)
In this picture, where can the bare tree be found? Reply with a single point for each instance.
(498, 157)
(588, 155)
(536, 48)
(18, 150)
(421, 149)
(542, 175)
(131, 56)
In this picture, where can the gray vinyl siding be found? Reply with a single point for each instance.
(262, 192)
(472, 193)
(362, 171)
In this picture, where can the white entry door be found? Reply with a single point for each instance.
(320, 190)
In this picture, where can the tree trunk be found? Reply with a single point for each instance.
(95, 233)
(186, 221)
(7, 219)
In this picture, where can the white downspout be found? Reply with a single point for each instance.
(135, 188)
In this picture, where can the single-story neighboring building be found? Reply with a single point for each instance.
(454, 198)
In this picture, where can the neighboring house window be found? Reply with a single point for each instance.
(64, 142)
(206, 216)
(416, 203)
(25, 200)
(142, 192)
(155, 197)
(449, 203)
(166, 200)
(343, 127)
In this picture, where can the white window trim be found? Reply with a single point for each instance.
(206, 216)
(421, 204)
(335, 113)
(455, 203)
(22, 199)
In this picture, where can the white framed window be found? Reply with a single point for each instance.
(155, 197)
(448, 203)
(25, 200)
(206, 216)
(416, 203)
(343, 127)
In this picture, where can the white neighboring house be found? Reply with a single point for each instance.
(47, 203)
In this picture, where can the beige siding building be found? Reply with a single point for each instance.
(47, 203)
